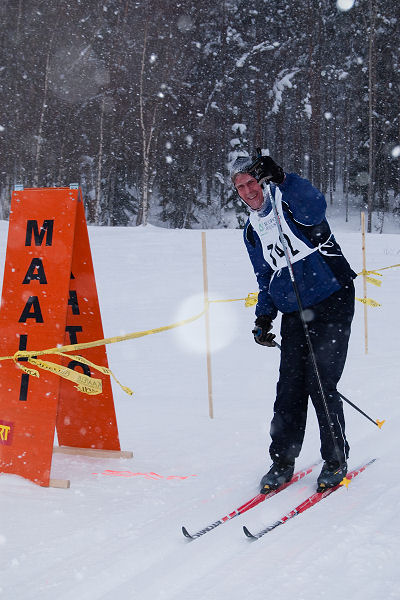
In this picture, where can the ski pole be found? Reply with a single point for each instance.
(376, 422)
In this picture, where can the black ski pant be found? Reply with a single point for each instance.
(329, 324)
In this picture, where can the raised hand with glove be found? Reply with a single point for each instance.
(264, 168)
(261, 331)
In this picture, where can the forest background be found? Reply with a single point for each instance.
(146, 103)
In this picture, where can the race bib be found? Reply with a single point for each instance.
(267, 230)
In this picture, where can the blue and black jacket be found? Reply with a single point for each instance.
(318, 275)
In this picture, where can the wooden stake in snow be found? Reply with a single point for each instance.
(207, 321)
(364, 281)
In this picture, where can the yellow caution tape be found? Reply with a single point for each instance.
(112, 340)
(90, 385)
(375, 271)
(369, 302)
(374, 281)
(370, 273)
(84, 383)
(390, 267)
(250, 300)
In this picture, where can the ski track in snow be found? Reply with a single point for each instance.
(114, 537)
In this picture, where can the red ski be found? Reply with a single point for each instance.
(308, 503)
(248, 505)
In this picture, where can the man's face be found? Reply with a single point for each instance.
(249, 190)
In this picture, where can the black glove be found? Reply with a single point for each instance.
(265, 169)
(262, 327)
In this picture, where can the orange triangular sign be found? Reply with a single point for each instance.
(44, 307)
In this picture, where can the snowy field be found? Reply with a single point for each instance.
(118, 536)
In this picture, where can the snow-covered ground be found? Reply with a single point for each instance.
(118, 536)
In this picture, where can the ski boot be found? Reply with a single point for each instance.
(332, 474)
(278, 474)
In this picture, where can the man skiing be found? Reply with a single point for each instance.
(311, 275)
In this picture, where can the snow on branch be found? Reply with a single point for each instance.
(259, 48)
(283, 81)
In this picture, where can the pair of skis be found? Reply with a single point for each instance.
(306, 504)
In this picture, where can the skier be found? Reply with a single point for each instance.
(325, 284)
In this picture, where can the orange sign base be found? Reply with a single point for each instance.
(49, 299)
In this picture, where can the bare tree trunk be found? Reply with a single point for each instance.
(147, 138)
(334, 152)
(346, 175)
(39, 138)
(111, 197)
(371, 110)
(222, 194)
(19, 19)
(97, 210)
(348, 148)
(39, 141)
(313, 83)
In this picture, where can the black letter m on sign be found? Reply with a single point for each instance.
(46, 228)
